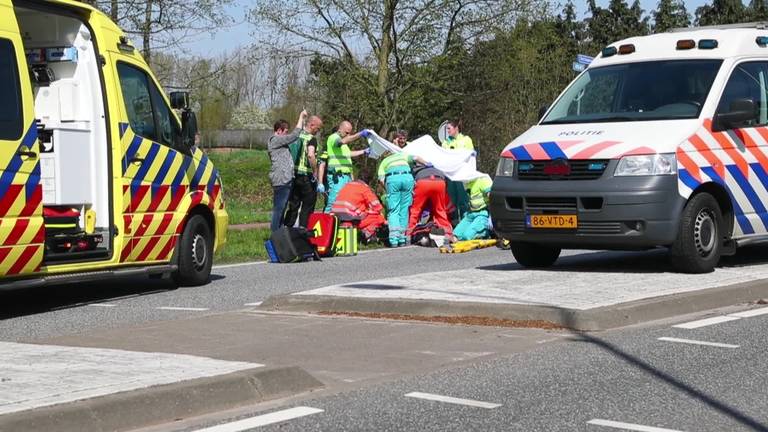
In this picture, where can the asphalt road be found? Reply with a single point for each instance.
(54, 311)
(627, 378)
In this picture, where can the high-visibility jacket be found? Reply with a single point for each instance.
(356, 198)
(339, 155)
(478, 190)
(460, 142)
(302, 165)
(396, 162)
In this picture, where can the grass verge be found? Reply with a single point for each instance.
(247, 190)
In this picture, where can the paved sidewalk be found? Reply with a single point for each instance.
(34, 376)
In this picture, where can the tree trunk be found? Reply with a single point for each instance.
(113, 10)
(385, 51)
(146, 31)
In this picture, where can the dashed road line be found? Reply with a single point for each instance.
(697, 342)
(706, 322)
(628, 426)
(263, 420)
(189, 309)
(258, 303)
(106, 305)
(453, 400)
(250, 263)
(750, 313)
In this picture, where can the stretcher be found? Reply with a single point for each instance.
(467, 245)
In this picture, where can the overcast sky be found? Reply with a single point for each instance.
(239, 34)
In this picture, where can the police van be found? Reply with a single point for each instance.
(661, 142)
(98, 175)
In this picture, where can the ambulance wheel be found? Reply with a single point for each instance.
(534, 255)
(195, 253)
(699, 241)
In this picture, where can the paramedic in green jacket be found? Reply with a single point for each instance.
(340, 159)
(474, 224)
(457, 141)
(395, 175)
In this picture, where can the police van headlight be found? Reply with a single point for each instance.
(645, 165)
(506, 167)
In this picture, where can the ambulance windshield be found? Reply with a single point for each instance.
(656, 90)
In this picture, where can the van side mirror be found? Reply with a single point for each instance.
(740, 111)
(179, 100)
(543, 110)
(189, 130)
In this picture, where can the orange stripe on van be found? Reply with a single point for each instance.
(704, 150)
(730, 149)
(594, 149)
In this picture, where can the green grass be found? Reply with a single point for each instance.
(247, 191)
(243, 245)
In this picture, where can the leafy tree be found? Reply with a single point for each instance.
(670, 14)
(572, 30)
(378, 47)
(722, 12)
(757, 10)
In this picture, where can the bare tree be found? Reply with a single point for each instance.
(385, 37)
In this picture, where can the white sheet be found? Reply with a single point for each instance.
(458, 165)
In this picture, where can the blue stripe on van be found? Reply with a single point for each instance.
(553, 150)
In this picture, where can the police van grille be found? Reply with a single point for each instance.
(580, 170)
(551, 202)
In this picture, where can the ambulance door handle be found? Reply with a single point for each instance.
(26, 151)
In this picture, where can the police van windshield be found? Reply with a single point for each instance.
(656, 90)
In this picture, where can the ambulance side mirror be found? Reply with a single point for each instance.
(179, 100)
(739, 112)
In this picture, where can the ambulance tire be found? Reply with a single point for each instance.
(699, 241)
(194, 253)
(534, 255)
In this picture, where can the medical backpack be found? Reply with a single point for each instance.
(288, 245)
(325, 227)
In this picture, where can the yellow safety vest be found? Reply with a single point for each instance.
(478, 190)
(461, 142)
(339, 156)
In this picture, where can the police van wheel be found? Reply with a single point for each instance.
(534, 255)
(194, 253)
(699, 241)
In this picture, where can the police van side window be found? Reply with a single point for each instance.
(138, 103)
(748, 81)
(11, 118)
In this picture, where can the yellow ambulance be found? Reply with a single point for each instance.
(99, 176)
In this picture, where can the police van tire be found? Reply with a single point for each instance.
(195, 253)
(699, 241)
(534, 255)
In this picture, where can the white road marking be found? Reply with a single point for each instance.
(453, 400)
(190, 309)
(750, 313)
(628, 426)
(706, 322)
(217, 267)
(258, 303)
(107, 305)
(696, 342)
(263, 420)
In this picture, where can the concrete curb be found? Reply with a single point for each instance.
(601, 318)
(165, 403)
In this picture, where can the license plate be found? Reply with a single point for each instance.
(561, 221)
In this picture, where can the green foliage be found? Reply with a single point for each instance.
(244, 174)
(507, 80)
(722, 12)
(670, 14)
(243, 245)
(619, 21)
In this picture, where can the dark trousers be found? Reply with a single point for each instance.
(279, 202)
(304, 197)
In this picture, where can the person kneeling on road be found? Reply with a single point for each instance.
(430, 190)
(356, 201)
(395, 175)
(474, 224)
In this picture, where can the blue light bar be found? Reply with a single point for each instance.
(707, 44)
(525, 166)
(762, 41)
(596, 167)
(609, 51)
